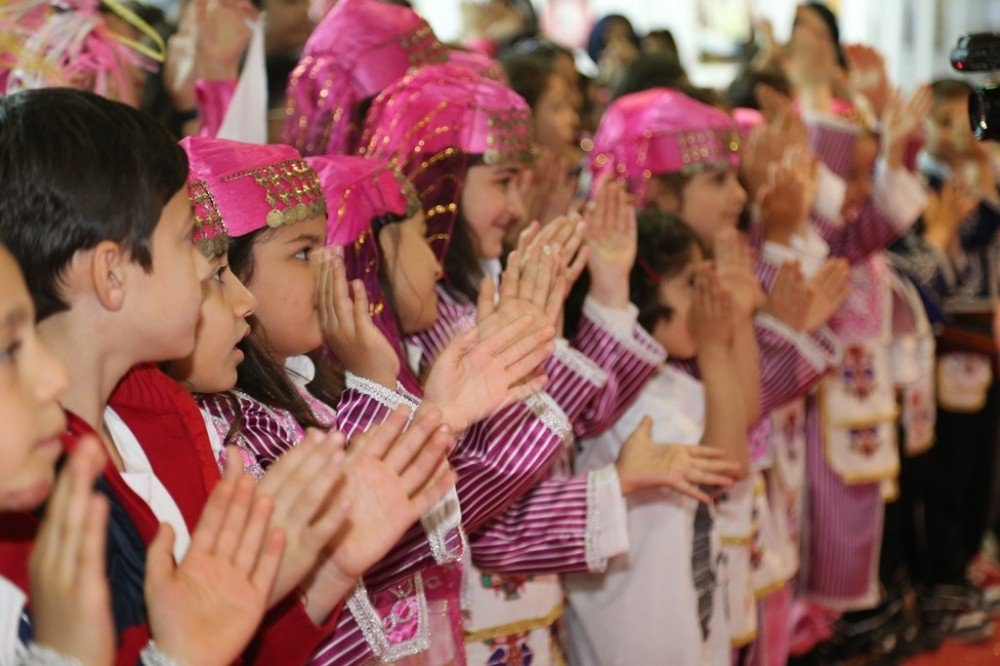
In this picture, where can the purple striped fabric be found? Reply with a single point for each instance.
(544, 531)
(870, 232)
(845, 526)
(833, 143)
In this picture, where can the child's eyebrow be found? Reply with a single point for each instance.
(312, 238)
(14, 319)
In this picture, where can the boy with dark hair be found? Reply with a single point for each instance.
(94, 207)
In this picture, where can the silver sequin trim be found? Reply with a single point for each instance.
(151, 656)
(387, 397)
(550, 414)
(441, 520)
(581, 365)
(370, 623)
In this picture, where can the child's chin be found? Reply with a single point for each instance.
(25, 499)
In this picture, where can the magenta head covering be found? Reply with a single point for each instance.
(239, 188)
(363, 195)
(661, 131)
(747, 119)
(480, 63)
(356, 51)
(432, 122)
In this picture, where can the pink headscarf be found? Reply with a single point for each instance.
(363, 195)
(243, 187)
(356, 51)
(431, 123)
(661, 131)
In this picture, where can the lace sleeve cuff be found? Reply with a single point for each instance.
(607, 518)
(820, 350)
(383, 395)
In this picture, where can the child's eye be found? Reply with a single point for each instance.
(8, 354)
(220, 273)
(303, 254)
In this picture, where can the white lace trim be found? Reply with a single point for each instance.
(580, 364)
(636, 340)
(550, 414)
(41, 655)
(607, 519)
(370, 623)
(812, 352)
(442, 519)
(383, 395)
(151, 656)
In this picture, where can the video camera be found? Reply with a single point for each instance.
(980, 52)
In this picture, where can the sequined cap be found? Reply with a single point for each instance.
(661, 131)
(432, 122)
(480, 63)
(357, 50)
(245, 187)
(362, 193)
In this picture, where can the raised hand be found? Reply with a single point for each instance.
(868, 75)
(347, 323)
(790, 299)
(734, 266)
(394, 478)
(548, 187)
(945, 211)
(305, 486)
(901, 121)
(470, 380)
(531, 284)
(789, 195)
(613, 242)
(211, 38)
(207, 609)
(710, 318)
(644, 464)
(71, 605)
(567, 234)
(829, 288)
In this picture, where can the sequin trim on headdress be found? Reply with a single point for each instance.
(291, 189)
(209, 231)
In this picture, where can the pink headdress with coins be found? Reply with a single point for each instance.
(363, 195)
(432, 122)
(480, 63)
(357, 50)
(237, 188)
(45, 43)
(661, 131)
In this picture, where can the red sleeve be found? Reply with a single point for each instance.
(288, 635)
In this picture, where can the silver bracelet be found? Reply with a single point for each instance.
(151, 656)
(41, 655)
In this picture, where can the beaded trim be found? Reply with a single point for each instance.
(370, 623)
(291, 188)
(580, 365)
(443, 518)
(209, 230)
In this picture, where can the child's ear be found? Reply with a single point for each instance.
(108, 264)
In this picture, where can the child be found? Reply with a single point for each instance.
(356, 51)
(242, 183)
(672, 576)
(467, 180)
(189, 611)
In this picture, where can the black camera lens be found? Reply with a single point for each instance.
(984, 112)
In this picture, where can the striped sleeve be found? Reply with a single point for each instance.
(365, 403)
(832, 140)
(562, 525)
(791, 362)
(625, 354)
(262, 433)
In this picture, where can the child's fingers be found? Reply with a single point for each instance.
(251, 541)
(232, 527)
(408, 446)
(269, 562)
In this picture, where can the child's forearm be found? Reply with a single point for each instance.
(747, 364)
(725, 409)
